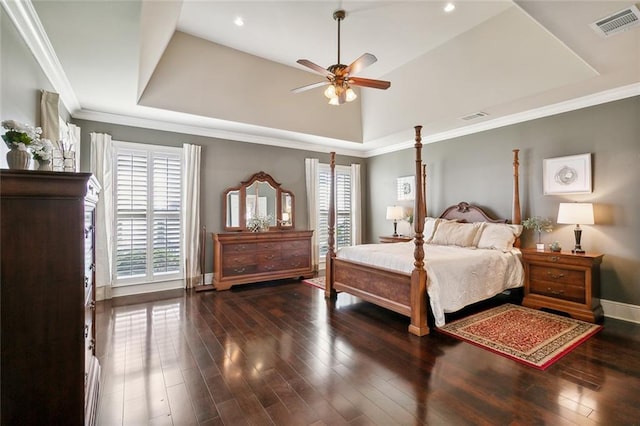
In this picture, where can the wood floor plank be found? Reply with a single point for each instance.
(279, 353)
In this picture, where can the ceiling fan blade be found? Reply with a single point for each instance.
(317, 68)
(361, 63)
(309, 86)
(367, 82)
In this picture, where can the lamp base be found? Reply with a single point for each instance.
(577, 232)
(395, 228)
(578, 250)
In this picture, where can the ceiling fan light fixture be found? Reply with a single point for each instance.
(351, 95)
(330, 91)
(334, 101)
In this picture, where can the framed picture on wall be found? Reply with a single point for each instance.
(567, 175)
(406, 188)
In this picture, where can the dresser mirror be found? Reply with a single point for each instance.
(259, 199)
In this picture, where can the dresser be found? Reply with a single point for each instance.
(49, 370)
(563, 282)
(249, 257)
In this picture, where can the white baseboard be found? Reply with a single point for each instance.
(208, 278)
(621, 311)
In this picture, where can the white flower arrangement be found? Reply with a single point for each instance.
(42, 149)
(259, 223)
(19, 135)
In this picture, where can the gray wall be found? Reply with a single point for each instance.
(477, 168)
(224, 164)
(21, 80)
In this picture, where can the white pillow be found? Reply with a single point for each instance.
(499, 236)
(430, 225)
(457, 234)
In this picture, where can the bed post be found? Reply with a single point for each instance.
(516, 215)
(329, 291)
(418, 324)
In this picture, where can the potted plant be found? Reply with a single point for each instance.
(540, 225)
(18, 138)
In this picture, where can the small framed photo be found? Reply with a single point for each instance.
(567, 175)
(406, 188)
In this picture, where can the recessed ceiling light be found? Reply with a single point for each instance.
(449, 7)
(238, 21)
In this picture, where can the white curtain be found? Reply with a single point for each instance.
(191, 214)
(50, 122)
(356, 216)
(102, 169)
(73, 145)
(311, 174)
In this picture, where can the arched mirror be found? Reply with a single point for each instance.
(258, 204)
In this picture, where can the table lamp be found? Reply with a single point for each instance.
(394, 213)
(576, 213)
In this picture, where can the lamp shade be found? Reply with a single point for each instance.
(576, 213)
(395, 212)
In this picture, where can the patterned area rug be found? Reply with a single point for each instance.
(315, 282)
(532, 337)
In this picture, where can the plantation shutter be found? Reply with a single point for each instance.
(343, 208)
(148, 219)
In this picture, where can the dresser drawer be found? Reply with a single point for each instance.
(296, 262)
(245, 269)
(272, 266)
(572, 293)
(559, 275)
(269, 246)
(239, 248)
(233, 260)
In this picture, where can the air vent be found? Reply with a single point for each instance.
(618, 22)
(474, 116)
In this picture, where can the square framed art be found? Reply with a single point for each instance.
(567, 175)
(406, 188)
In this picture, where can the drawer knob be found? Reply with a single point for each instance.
(557, 292)
(555, 258)
(555, 276)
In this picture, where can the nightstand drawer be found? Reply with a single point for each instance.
(557, 275)
(558, 290)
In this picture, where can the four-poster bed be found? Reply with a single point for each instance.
(405, 291)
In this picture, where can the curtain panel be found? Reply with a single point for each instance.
(191, 214)
(311, 179)
(102, 168)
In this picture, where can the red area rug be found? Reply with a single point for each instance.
(315, 282)
(532, 337)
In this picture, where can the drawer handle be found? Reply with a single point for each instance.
(296, 264)
(269, 267)
(555, 276)
(92, 344)
(92, 266)
(270, 257)
(556, 292)
(239, 247)
(92, 305)
(555, 258)
(86, 331)
(239, 270)
(86, 282)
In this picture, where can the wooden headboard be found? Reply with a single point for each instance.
(465, 212)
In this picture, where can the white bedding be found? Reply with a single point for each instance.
(456, 276)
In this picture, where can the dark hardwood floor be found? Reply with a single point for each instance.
(278, 353)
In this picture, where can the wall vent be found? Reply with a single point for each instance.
(618, 22)
(474, 116)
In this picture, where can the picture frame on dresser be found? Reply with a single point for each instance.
(567, 175)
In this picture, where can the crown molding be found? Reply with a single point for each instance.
(282, 139)
(611, 95)
(26, 20)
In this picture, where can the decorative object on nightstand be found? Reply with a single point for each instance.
(577, 214)
(555, 247)
(563, 282)
(396, 239)
(394, 213)
(540, 225)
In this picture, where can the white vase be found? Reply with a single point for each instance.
(44, 165)
(540, 247)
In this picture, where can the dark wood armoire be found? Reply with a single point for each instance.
(49, 373)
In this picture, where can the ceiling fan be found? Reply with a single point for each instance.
(340, 77)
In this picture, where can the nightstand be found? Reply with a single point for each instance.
(564, 282)
(392, 239)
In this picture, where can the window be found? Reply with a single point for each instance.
(344, 218)
(147, 204)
